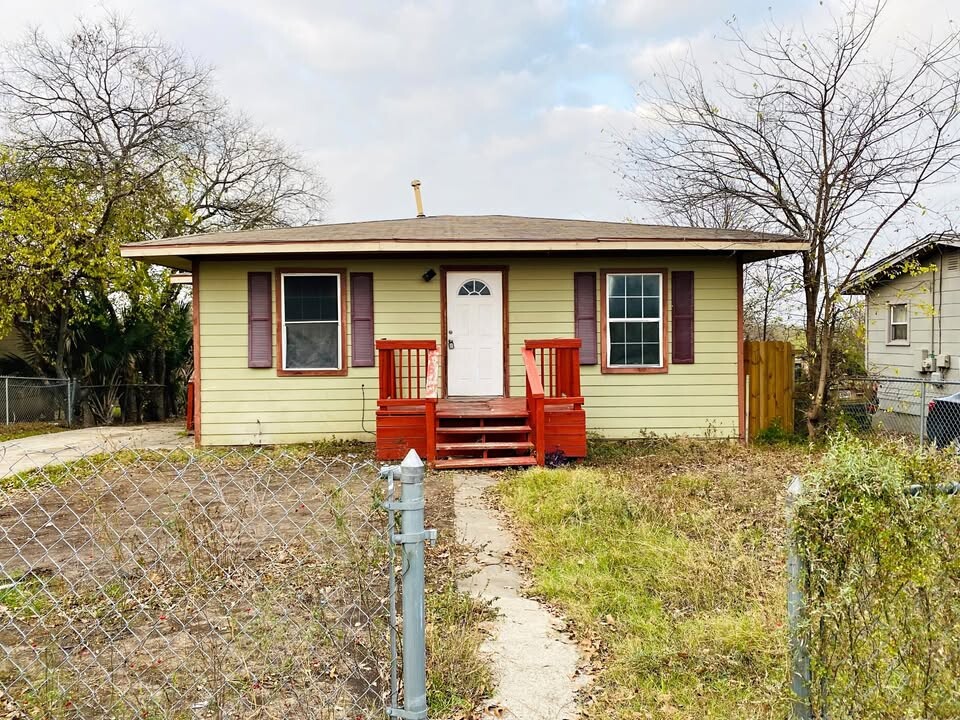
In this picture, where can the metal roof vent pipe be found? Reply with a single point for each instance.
(416, 195)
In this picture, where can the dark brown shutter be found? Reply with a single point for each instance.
(585, 315)
(361, 319)
(259, 320)
(682, 292)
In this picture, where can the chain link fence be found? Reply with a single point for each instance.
(26, 399)
(925, 410)
(196, 583)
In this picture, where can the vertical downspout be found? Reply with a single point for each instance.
(866, 331)
(933, 306)
(939, 306)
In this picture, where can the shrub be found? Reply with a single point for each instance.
(882, 581)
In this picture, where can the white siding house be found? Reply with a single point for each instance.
(913, 321)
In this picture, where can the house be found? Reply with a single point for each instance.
(912, 315)
(12, 350)
(476, 339)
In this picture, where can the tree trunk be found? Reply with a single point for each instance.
(821, 373)
(766, 313)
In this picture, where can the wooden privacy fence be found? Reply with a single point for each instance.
(768, 367)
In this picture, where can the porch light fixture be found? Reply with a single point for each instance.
(429, 275)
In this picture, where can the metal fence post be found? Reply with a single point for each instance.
(6, 399)
(800, 675)
(923, 414)
(70, 387)
(411, 538)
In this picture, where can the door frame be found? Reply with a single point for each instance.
(504, 274)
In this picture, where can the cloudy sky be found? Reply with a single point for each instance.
(498, 107)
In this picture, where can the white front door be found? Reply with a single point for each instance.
(474, 333)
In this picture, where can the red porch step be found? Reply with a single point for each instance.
(492, 462)
(481, 445)
(483, 433)
(484, 429)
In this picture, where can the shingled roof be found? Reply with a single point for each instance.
(459, 233)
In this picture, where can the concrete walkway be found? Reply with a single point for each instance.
(38, 450)
(535, 663)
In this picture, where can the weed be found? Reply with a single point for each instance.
(775, 434)
(27, 595)
(458, 677)
(603, 451)
(883, 580)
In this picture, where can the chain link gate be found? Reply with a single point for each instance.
(230, 583)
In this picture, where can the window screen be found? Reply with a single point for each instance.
(311, 322)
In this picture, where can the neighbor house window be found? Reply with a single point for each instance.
(634, 321)
(899, 323)
(311, 321)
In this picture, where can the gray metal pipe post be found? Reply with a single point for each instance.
(923, 415)
(412, 537)
(6, 398)
(799, 652)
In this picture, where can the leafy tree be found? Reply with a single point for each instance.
(817, 136)
(112, 136)
(134, 351)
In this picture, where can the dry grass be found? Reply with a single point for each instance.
(205, 510)
(667, 557)
(459, 677)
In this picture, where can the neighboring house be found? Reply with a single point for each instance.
(912, 312)
(439, 331)
(13, 349)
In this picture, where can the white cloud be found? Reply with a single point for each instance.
(501, 106)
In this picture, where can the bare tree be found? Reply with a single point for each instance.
(134, 111)
(769, 287)
(240, 178)
(817, 136)
(135, 125)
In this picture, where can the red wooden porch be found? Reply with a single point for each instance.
(480, 432)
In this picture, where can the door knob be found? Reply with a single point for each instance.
(450, 345)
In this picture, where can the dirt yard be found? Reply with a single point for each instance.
(177, 584)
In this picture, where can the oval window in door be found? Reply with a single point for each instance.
(474, 287)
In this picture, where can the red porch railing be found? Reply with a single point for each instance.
(554, 400)
(407, 412)
(407, 402)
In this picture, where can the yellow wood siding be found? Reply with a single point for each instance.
(241, 405)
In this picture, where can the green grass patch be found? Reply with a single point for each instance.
(17, 431)
(671, 559)
(26, 596)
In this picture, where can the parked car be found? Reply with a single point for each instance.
(858, 403)
(943, 420)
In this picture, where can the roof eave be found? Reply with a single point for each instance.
(178, 255)
(883, 271)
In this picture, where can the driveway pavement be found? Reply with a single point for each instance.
(38, 450)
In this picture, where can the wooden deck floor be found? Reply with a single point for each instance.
(482, 407)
